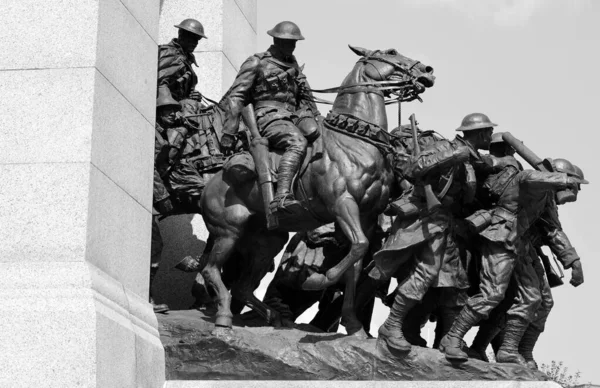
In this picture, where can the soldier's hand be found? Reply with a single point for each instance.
(227, 143)
(196, 95)
(573, 182)
(576, 273)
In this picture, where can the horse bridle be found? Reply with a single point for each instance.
(378, 86)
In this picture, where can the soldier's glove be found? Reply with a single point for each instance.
(195, 95)
(576, 274)
(227, 143)
(573, 182)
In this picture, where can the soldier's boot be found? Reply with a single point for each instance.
(391, 330)
(509, 351)
(446, 319)
(527, 344)
(487, 331)
(411, 329)
(158, 308)
(284, 200)
(452, 344)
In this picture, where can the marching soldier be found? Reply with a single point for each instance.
(175, 59)
(520, 199)
(285, 113)
(450, 168)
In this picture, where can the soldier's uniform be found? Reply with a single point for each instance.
(276, 86)
(521, 199)
(450, 167)
(175, 71)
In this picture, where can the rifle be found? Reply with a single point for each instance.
(432, 201)
(259, 149)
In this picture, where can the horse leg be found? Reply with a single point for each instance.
(263, 246)
(353, 325)
(348, 218)
(222, 249)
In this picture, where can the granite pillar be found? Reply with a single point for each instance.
(78, 84)
(230, 26)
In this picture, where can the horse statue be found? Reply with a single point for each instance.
(346, 178)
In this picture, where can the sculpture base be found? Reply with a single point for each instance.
(195, 351)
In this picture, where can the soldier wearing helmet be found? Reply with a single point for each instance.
(450, 167)
(175, 59)
(285, 112)
(520, 199)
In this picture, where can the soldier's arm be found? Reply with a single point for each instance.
(238, 95)
(169, 68)
(555, 238)
(306, 99)
(540, 180)
(435, 158)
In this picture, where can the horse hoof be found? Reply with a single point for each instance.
(224, 321)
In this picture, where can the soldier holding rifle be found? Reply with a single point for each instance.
(423, 230)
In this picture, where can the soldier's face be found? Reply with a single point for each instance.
(287, 46)
(167, 115)
(188, 41)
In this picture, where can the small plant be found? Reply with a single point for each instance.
(559, 373)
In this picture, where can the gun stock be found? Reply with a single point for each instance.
(259, 149)
(432, 201)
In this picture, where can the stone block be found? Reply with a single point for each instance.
(146, 13)
(118, 233)
(122, 142)
(126, 56)
(239, 38)
(48, 325)
(47, 115)
(64, 35)
(250, 11)
(210, 74)
(44, 212)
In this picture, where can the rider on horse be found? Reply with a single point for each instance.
(285, 111)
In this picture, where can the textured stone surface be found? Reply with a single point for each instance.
(265, 353)
(239, 38)
(250, 10)
(55, 123)
(122, 142)
(118, 238)
(44, 212)
(126, 56)
(64, 34)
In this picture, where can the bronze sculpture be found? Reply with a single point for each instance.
(348, 154)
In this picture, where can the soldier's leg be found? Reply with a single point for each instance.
(497, 264)
(418, 316)
(283, 134)
(536, 327)
(156, 247)
(451, 301)
(412, 290)
(521, 313)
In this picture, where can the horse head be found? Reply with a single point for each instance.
(379, 74)
(412, 77)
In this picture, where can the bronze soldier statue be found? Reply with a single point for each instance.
(519, 199)
(175, 59)
(285, 112)
(166, 118)
(450, 167)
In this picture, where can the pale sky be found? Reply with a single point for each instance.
(530, 65)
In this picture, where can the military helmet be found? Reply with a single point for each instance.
(497, 138)
(475, 121)
(193, 26)
(579, 174)
(165, 99)
(286, 30)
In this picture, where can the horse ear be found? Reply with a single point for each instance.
(362, 52)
